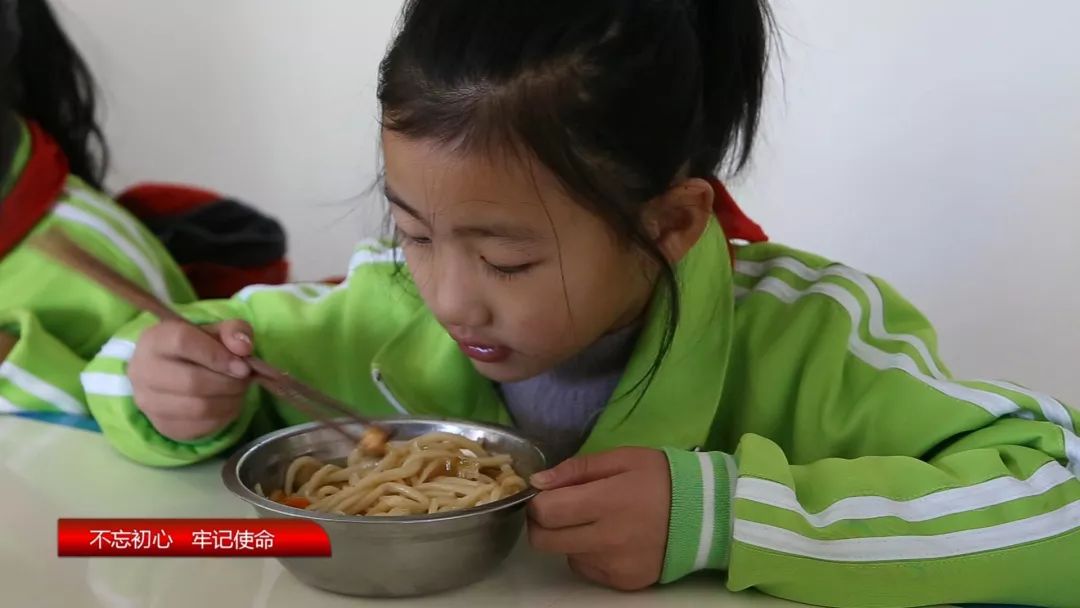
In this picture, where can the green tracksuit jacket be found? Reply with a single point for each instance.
(819, 450)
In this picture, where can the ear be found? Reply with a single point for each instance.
(676, 219)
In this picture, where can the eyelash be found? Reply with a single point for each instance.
(505, 273)
(418, 241)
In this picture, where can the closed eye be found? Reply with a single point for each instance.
(509, 270)
(407, 239)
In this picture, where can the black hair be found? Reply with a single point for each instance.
(48, 82)
(617, 98)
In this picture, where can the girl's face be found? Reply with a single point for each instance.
(520, 275)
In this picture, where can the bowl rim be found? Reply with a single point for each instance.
(230, 476)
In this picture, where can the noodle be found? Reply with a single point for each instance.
(432, 473)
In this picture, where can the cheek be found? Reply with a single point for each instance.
(532, 311)
(570, 307)
(418, 266)
(541, 336)
(539, 310)
(603, 292)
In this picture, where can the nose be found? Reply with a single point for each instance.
(455, 296)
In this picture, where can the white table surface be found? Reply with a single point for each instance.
(49, 471)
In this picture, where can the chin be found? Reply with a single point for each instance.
(505, 372)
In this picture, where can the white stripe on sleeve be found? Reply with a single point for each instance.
(106, 385)
(41, 389)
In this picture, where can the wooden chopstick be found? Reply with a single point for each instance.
(309, 400)
(7, 344)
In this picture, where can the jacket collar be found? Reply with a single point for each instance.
(38, 175)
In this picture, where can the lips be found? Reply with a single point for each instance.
(484, 353)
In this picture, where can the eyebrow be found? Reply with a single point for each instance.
(396, 201)
(495, 230)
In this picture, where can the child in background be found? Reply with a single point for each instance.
(52, 162)
(747, 408)
(180, 242)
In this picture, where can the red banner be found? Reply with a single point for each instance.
(190, 538)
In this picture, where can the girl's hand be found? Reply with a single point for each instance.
(608, 513)
(191, 382)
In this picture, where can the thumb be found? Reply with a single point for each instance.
(579, 470)
(236, 335)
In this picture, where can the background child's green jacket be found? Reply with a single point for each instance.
(819, 450)
(60, 319)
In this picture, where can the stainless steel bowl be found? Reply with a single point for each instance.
(389, 556)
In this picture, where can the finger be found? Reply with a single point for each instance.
(622, 572)
(176, 340)
(590, 538)
(573, 505)
(180, 408)
(236, 335)
(588, 570)
(185, 379)
(581, 469)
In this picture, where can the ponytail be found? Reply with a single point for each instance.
(51, 85)
(733, 38)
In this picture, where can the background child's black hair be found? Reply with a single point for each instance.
(618, 98)
(48, 82)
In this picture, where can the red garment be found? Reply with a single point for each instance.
(212, 275)
(218, 281)
(149, 201)
(737, 225)
(38, 188)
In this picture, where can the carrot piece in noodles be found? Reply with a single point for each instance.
(298, 502)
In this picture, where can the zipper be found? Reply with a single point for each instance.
(376, 376)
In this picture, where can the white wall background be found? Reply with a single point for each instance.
(935, 143)
(269, 100)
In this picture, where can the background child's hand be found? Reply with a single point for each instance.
(190, 382)
(608, 513)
